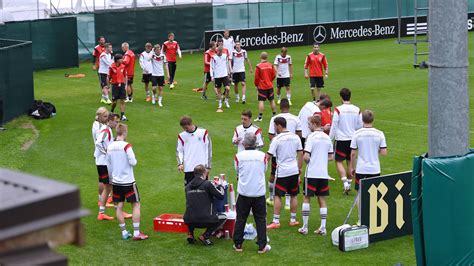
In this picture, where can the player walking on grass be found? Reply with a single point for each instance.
(250, 165)
(159, 64)
(207, 68)
(239, 57)
(121, 160)
(101, 118)
(284, 68)
(220, 70)
(246, 128)
(287, 149)
(194, 147)
(293, 125)
(346, 120)
(264, 76)
(129, 62)
(171, 49)
(315, 68)
(317, 151)
(98, 50)
(145, 64)
(105, 61)
(118, 76)
(367, 144)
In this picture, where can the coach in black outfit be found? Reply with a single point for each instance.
(200, 210)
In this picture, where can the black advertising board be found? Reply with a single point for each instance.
(299, 35)
(385, 206)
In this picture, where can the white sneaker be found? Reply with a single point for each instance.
(347, 187)
(219, 106)
(303, 230)
(258, 119)
(153, 101)
(227, 104)
(172, 86)
(321, 231)
(160, 105)
(266, 249)
(127, 100)
(237, 99)
(124, 118)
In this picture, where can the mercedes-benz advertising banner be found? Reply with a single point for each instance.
(274, 37)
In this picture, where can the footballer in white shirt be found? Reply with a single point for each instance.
(238, 59)
(159, 65)
(367, 144)
(105, 60)
(284, 68)
(145, 65)
(287, 149)
(228, 41)
(247, 128)
(317, 151)
(220, 72)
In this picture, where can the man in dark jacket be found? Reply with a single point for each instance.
(200, 210)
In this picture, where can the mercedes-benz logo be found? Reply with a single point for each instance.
(216, 37)
(319, 34)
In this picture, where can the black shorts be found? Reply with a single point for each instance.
(283, 82)
(343, 150)
(238, 77)
(157, 81)
(103, 174)
(207, 77)
(264, 95)
(303, 142)
(316, 187)
(316, 82)
(188, 176)
(222, 81)
(274, 165)
(146, 78)
(287, 185)
(126, 192)
(103, 80)
(362, 176)
(129, 80)
(118, 92)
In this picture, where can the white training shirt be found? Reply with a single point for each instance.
(158, 65)
(308, 110)
(95, 128)
(240, 132)
(345, 121)
(103, 139)
(368, 142)
(120, 163)
(250, 166)
(194, 148)
(238, 61)
(283, 66)
(105, 61)
(319, 146)
(219, 66)
(285, 147)
(293, 123)
(145, 62)
(229, 43)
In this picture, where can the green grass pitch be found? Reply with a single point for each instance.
(381, 78)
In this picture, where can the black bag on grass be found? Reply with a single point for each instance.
(42, 110)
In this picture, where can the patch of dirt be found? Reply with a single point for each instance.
(28, 125)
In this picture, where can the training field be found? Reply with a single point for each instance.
(381, 78)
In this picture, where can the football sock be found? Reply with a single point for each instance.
(101, 209)
(260, 115)
(243, 97)
(160, 98)
(220, 104)
(288, 96)
(273, 113)
(130, 96)
(293, 217)
(122, 114)
(124, 229)
(148, 93)
(314, 99)
(305, 210)
(323, 212)
(136, 229)
(276, 218)
(271, 187)
(287, 200)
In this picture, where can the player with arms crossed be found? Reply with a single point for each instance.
(207, 68)
(284, 68)
(98, 50)
(317, 151)
(145, 64)
(317, 64)
(121, 160)
(105, 61)
(346, 120)
(129, 62)
(287, 149)
(194, 147)
(159, 64)
(264, 76)
(247, 128)
(220, 69)
(171, 49)
(118, 76)
(101, 118)
(239, 57)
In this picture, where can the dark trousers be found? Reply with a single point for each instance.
(259, 209)
(210, 227)
(188, 176)
(172, 68)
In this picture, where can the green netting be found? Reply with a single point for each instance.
(416, 210)
(16, 79)
(152, 25)
(54, 40)
(445, 234)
